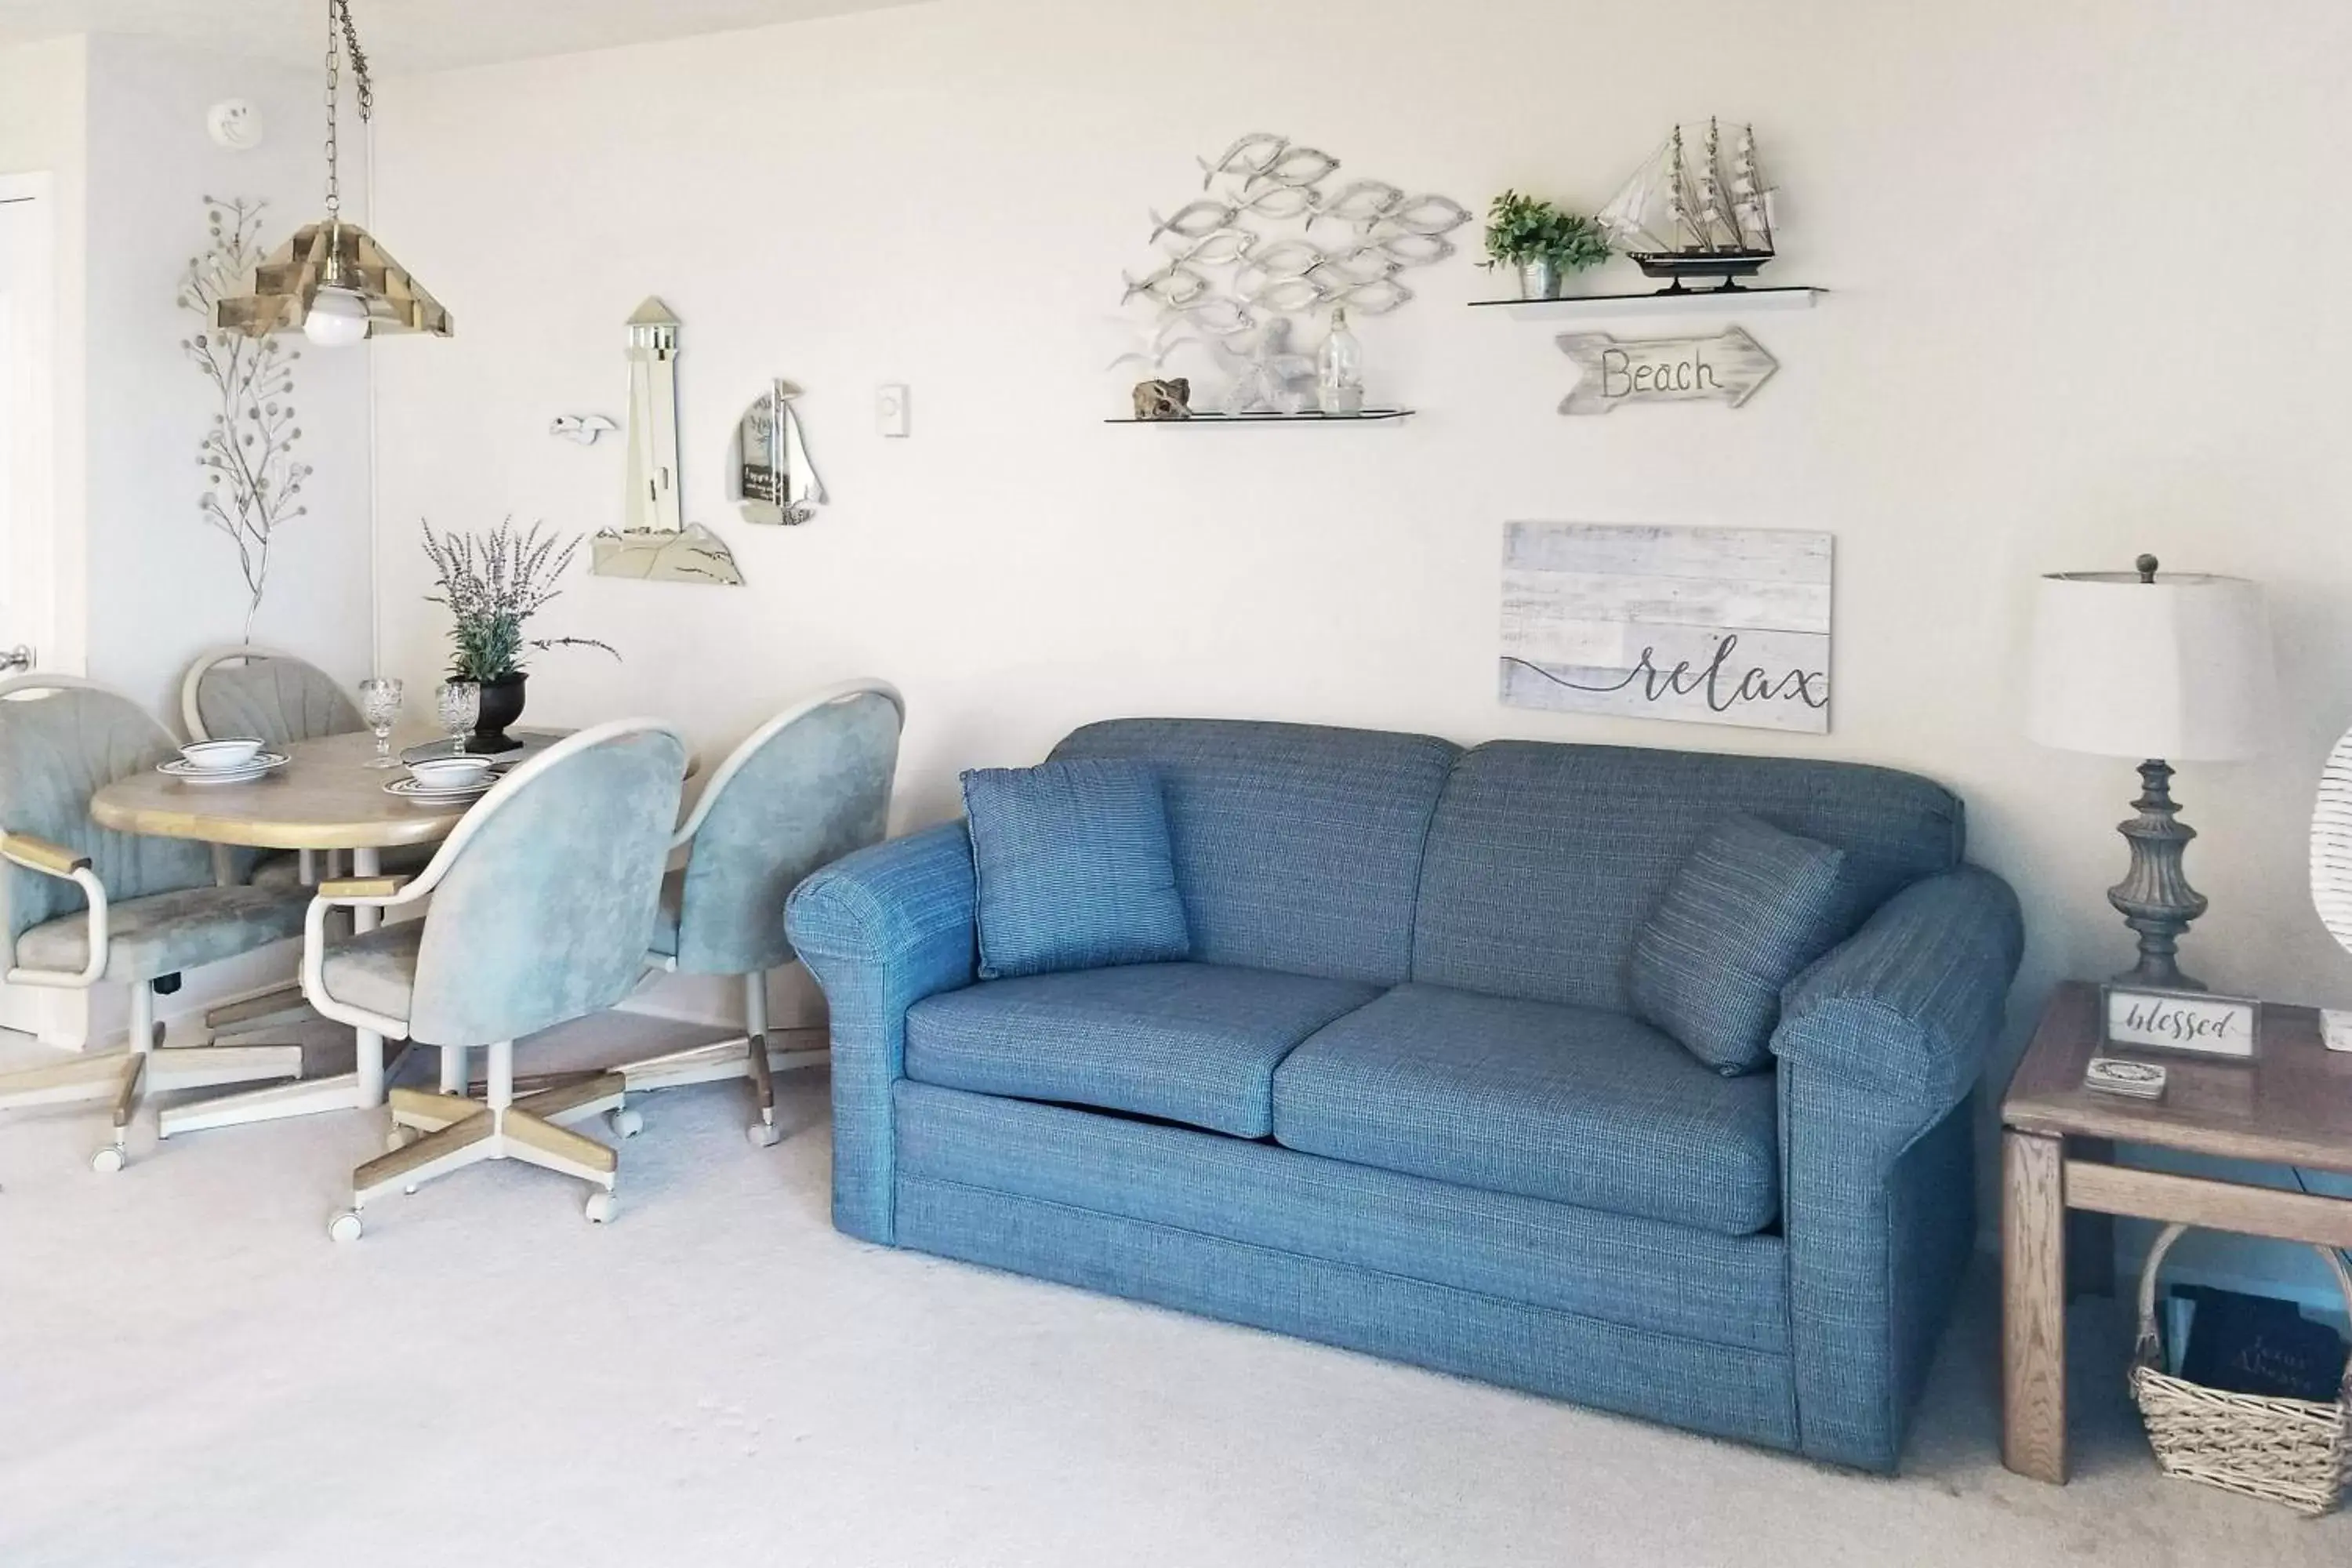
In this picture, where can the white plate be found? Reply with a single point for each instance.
(221, 756)
(182, 769)
(415, 792)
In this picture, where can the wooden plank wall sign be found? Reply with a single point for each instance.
(1726, 368)
(1711, 626)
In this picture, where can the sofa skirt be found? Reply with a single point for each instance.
(1613, 1312)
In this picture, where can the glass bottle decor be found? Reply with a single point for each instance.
(1339, 369)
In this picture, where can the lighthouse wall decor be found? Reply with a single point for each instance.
(653, 541)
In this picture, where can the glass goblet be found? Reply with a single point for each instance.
(459, 703)
(380, 709)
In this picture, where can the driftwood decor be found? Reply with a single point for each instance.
(1726, 368)
(1163, 399)
(1710, 626)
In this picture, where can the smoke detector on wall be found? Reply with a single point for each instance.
(234, 124)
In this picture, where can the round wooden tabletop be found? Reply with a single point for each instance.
(326, 797)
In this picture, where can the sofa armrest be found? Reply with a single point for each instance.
(1910, 1007)
(1880, 1046)
(881, 930)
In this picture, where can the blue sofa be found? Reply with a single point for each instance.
(1396, 1102)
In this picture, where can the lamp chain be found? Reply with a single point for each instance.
(343, 39)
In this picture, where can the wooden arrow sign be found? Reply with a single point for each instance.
(1726, 368)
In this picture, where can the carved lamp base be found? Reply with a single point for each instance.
(2155, 900)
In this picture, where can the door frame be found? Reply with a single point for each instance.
(30, 426)
(31, 429)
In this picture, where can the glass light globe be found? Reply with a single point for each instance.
(338, 318)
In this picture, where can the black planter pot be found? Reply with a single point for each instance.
(501, 706)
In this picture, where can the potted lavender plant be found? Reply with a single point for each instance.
(493, 583)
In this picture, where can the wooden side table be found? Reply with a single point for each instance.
(2291, 1106)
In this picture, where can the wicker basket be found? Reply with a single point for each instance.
(2283, 1450)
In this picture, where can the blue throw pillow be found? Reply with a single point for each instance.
(1749, 910)
(1074, 867)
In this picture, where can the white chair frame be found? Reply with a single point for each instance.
(752, 1054)
(461, 1131)
(145, 1064)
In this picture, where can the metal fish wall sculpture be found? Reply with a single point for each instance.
(1229, 271)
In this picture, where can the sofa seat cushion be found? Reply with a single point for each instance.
(1573, 1104)
(1194, 1043)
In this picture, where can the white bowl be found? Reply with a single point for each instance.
(216, 755)
(449, 773)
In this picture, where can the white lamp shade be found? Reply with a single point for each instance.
(2179, 668)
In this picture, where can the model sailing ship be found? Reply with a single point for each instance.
(1692, 213)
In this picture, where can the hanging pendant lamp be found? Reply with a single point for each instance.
(332, 281)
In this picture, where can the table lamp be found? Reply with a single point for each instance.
(2166, 668)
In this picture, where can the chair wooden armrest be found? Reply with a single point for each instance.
(40, 855)
(363, 887)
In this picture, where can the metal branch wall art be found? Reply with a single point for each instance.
(1276, 235)
(252, 483)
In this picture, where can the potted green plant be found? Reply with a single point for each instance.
(1542, 241)
(493, 583)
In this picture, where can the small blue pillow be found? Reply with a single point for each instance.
(1074, 867)
(1750, 908)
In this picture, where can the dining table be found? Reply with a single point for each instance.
(326, 797)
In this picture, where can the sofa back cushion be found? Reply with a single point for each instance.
(1544, 860)
(1297, 848)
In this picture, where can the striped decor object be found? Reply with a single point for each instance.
(2331, 845)
(1749, 909)
(1074, 867)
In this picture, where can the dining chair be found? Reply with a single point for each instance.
(542, 903)
(244, 690)
(87, 905)
(807, 787)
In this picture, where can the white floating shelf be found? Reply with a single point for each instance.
(1689, 302)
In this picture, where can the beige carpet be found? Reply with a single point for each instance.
(192, 1374)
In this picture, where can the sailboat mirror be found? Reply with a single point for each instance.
(652, 542)
(774, 477)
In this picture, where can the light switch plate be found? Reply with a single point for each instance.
(890, 409)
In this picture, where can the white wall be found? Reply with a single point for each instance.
(143, 585)
(165, 584)
(2078, 254)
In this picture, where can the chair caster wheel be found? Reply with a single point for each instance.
(109, 1160)
(345, 1226)
(628, 1122)
(600, 1207)
(764, 1134)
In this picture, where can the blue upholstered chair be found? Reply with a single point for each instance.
(545, 901)
(275, 697)
(241, 690)
(86, 906)
(807, 787)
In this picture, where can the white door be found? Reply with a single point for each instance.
(28, 588)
